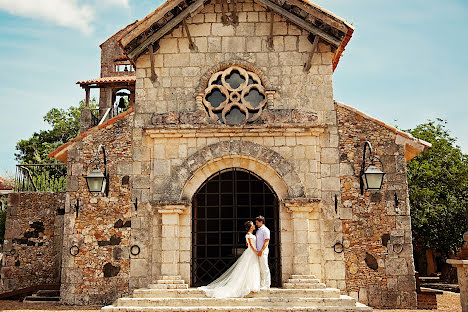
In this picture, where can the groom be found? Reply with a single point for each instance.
(263, 238)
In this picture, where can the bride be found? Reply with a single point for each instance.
(242, 277)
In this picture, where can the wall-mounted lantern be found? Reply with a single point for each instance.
(97, 181)
(372, 177)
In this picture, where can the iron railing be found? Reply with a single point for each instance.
(41, 178)
(94, 117)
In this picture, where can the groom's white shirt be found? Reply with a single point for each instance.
(262, 234)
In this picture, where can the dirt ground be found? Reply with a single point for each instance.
(447, 302)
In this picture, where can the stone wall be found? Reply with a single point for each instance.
(376, 227)
(99, 273)
(33, 240)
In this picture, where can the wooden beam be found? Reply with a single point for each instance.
(270, 37)
(320, 13)
(301, 23)
(192, 45)
(224, 17)
(165, 29)
(154, 76)
(309, 60)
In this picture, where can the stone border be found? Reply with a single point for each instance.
(239, 161)
(278, 172)
(224, 65)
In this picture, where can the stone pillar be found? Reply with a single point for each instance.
(85, 119)
(462, 272)
(170, 251)
(300, 212)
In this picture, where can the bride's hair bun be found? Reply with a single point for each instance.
(248, 225)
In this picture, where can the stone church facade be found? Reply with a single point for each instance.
(232, 115)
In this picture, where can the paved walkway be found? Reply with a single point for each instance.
(448, 302)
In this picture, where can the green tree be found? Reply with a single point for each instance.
(438, 190)
(65, 125)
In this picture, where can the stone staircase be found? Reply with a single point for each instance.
(43, 296)
(301, 293)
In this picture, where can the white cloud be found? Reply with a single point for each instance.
(122, 3)
(67, 13)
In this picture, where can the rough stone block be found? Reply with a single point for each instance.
(335, 270)
(396, 266)
(329, 155)
(138, 267)
(330, 184)
(233, 44)
(162, 167)
(176, 60)
(200, 30)
(218, 29)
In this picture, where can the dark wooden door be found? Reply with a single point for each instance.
(221, 206)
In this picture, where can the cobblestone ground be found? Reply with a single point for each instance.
(448, 302)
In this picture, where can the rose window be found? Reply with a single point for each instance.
(234, 96)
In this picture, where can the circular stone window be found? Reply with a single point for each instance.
(234, 96)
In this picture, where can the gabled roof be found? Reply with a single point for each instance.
(61, 153)
(413, 146)
(306, 15)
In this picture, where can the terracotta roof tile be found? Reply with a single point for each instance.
(108, 80)
(5, 185)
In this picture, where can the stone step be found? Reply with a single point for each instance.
(277, 292)
(168, 286)
(168, 281)
(304, 285)
(304, 281)
(48, 293)
(40, 299)
(303, 276)
(342, 301)
(170, 277)
(357, 308)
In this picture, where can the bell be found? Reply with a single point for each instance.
(121, 103)
(125, 69)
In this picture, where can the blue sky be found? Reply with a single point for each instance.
(406, 63)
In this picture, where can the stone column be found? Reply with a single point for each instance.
(462, 272)
(300, 212)
(170, 251)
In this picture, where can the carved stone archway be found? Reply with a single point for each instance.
(268, 164)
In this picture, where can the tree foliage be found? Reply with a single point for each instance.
(65, 125)
(438, 190)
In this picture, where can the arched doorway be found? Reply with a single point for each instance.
(220, 207)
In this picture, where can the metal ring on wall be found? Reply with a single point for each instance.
(74, 250)
(338, 247)
(135, 250)
(398, 249)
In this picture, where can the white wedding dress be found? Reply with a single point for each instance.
(240, 279)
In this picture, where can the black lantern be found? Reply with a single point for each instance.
(372, 177)
(97, 181)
